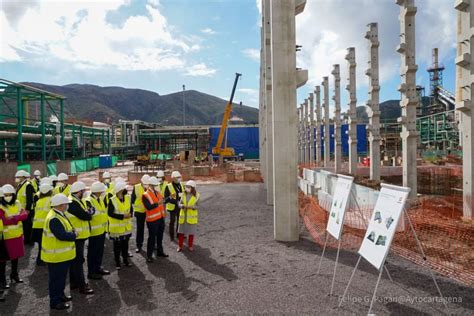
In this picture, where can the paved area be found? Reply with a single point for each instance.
(238, 268)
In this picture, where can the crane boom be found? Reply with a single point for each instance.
(218, 150)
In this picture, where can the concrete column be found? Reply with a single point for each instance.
(317, 92)
(268, 100)
(464, 97)
(306, 132)
(409, 102)
(373, 102)
(352, 89)
(285, 80)
(261, 112)
(305, 127)
(336, 72)
(298, 112)
(327, 137)
(311, 128)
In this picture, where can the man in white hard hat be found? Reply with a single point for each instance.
(106, 179)
(42, 207)
(95, 251)
(62, 185)
(160, 175)
(35, 181)
(79, 216)
(25, 195)
(58, 250)
(139, 209)
(173, 193)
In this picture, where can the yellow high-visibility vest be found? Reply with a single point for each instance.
(190, 213)
(99, 219)
(21, 194)
(82, 227)
(138, 206)
(66, 189)
(42, 208)
(34, 184)
(13, 231)
(119, 227)
(54, 250)
(170, 206)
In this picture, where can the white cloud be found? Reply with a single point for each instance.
(200, 70)
(77, 32)
(249, 91)
(252, 53)
(208, 31)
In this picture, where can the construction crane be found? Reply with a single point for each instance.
(226, 152)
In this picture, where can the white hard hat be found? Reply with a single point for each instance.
(160, 174)
(59, 199)
(62, 177)
(45, 188)
(46, 180)
(175, 174)
(78, 186)
(98, 187)
(8, 189)
(1, 192)
(145, 179)
(154, 181)
(27, 174)
(20, 173)
(191, 183)
(106, 175)
(37, 173)
(53, 177)
(119, 179)
(119, 186)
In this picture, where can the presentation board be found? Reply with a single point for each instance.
(339, 205)
(383, 223)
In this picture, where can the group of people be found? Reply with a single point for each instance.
(61, 217)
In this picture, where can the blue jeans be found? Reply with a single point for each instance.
(155, 236)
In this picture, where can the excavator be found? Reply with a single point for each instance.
(226, 152)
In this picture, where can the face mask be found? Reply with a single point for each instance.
(38, 177)
(160, 180)
(8, 199)
(17, 180)
(188, 190)
(157, 188)
(106, 180)
(66, 208)
(178, 180)
(102, 195)
(145, 186)
(60, 184)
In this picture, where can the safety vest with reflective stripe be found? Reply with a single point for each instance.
(163, 187)
(34, 184)
(119, 227)
(82, 227)
(13, 231)
(138, 206)
(171, 206)
(66, 189)
(159, 211)
(99, 219)
(1, 230)
(54, 250)
(21, 193)
(190, 213)
(42, 208)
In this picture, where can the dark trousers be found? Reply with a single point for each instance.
(155, 236)
(57, 274)
(140, 229)
(76, 273)
(38, 238)
(121, 248)
(3, 268)
(174, 219)
(28, 229)
(95, 252)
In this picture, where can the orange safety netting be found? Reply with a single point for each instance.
(447, 241)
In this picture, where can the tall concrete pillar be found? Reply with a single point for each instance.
(300, 156)
(306, 131)
(351, 88)
(285, 79)
(268, 100)
(465, 97)
(311, 128)
(317, 92)
(327, 137)
(261, 111)
(373, 102)
(409, 102)
(336, 72)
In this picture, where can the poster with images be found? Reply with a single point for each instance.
(383, 223)
(339, 205)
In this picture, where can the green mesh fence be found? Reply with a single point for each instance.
(95, 162)
(51, 168)
(114, 160)
(25, 167)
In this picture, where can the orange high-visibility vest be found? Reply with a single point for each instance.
(159, 211)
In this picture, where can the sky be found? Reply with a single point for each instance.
(159, 45)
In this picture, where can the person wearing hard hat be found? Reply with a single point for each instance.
(188, 218)
(119, 210)
(35, 181)
(95, 251)
(154, 203)
(61, 185)
(54, 180)
(79, 216)
(58, 250)
(173, 193)
(25, 194)
(3, 254)
(12, 216)
(139, 209)
(42, 207)
(160, 175)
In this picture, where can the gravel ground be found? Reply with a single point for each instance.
(237, 267)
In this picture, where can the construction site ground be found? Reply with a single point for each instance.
(237, 267)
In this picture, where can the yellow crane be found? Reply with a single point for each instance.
(226, 151)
